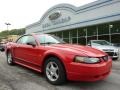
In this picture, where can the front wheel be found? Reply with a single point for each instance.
(10, 59)
(54, 71)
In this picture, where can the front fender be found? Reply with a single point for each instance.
(64, 58)
(55, 53)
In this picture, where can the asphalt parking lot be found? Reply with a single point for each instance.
(20, 78)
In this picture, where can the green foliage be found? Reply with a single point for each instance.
(5, 33)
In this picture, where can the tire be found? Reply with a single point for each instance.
(54, 71)
(9, 59)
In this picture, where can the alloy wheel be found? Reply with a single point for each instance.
(52, 71)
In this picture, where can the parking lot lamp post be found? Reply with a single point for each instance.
(7, 24)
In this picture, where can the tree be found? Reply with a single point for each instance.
(5, 33)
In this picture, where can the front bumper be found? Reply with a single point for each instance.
(113, 54)
(88, 72)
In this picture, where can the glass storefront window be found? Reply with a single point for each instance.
(115, 38)
(74, 40)
(104, 37)
(81, 32)
(66, 40)
(115, 27)
(53, 33)
(73, 33)
(82, 41)
(66, 34)
(78, 35)
(91, 38)
(103, 29)
(91, 31)
(59, 34)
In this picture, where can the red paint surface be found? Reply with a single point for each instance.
(34, 57)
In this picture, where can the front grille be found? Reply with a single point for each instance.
(111, 53)
(108, 50)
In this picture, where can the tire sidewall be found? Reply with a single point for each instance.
(62, 77)
(7, 58)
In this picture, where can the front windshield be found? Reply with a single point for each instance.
(49, 39)
(102, 42)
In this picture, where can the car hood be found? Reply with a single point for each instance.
(105, 48)
(78, 50)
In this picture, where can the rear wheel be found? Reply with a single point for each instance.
(10, 59)
(54, 71)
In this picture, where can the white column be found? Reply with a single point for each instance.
(110, 26)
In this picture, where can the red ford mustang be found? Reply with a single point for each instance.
(58, 60)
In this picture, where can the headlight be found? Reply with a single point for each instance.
(116, 50)
(80, 59)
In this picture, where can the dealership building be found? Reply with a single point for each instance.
(99, 20)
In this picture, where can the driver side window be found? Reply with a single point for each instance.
(26, 39)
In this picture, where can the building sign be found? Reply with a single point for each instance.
(55, 15)
(56, 22)
(55, 19)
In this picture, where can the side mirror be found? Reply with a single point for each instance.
(31, 43)
(89, 44)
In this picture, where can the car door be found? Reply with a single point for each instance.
(25, 52)
(18, 48)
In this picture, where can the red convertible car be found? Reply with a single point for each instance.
(58, 60)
